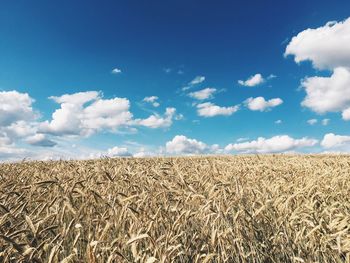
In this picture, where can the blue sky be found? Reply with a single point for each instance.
(254, 89)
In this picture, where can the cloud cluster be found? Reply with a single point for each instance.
(333, 141)
(85, 113)
(276, 144)
(327, 47)
(18, 123)
(152, 100)
(118, 151)
(80, 114)
(180, 144)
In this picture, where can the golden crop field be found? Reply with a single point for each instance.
(270, 208)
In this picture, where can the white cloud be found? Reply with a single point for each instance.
(18, 122)
(203, 94)
(12, 153)
(142, 152)
(180, 144)
(281, 143)
(15, 106)
(330, 140)
(325, 122)
(157, 121)
(8, 149)
(197, 80)
(118, 151)
(4, 139)
(74, 117)
(328, 94)
(242, 139)
(116, 71)
(152, 100)
(20, 129)
(260, 104)
(209, 109)
(346, 114)
(278, 122)
(312, 121)
(327, 47)
(79, 98)
(252, 81)
(40, 139)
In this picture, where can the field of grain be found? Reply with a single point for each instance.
(273, 208)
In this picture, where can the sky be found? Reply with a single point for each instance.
(86, 79)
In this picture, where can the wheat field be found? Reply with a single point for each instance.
(269, 208)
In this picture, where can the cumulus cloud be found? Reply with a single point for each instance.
(118, 151)
(18, 122)
(209, 109)
(20, 129)
(15, 106)
(276, 144)
(331, 140)
(180, 144)
(203, 94)
(260, 104)
(327, 47)
(8, 149)
(79, 98)
(40, 139)
(328, 94)
(78, 114)
(116, 71)
(157, 121)
(85, 113)
(252, 81)
(346, 114)
(152, 100)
